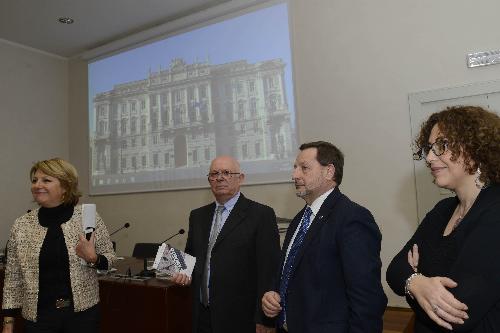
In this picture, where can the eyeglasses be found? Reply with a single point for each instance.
(226, 174)
(439, 147)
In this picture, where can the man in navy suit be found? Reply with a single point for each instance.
(329, 278)
(236, 244)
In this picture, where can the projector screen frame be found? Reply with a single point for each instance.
(195, 21)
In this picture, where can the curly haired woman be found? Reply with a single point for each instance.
(449, 270)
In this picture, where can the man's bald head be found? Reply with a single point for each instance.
(227, 161)
(225, 178)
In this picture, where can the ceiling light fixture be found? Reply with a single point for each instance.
(66, 20)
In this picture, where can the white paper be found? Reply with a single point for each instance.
(170, 261)
(88, 217)
(88, 222)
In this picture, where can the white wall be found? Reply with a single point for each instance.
(34, 126)
(355, 63)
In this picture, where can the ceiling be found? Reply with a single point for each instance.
(34, 23)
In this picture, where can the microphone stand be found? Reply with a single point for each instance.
(125, 226)
(180, 232)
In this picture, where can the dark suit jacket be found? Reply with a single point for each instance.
(242, 267)
(335, 286)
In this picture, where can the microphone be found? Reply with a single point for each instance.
(125, 226)
(180, 232)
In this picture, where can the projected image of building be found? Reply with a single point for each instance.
(184, 116)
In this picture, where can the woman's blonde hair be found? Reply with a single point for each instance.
(65, 172)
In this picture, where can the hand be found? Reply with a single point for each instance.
(271, 304)
(85, 249)
(437, 302)
(413, 258)
(259, 328)
(182, 279)
(8, 328)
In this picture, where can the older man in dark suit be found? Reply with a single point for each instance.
(236, 244)
(329, 280)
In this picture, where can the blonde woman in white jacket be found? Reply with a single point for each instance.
(44, 278)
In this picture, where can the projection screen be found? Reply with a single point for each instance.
(159, 113)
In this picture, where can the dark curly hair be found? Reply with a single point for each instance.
(473, 133)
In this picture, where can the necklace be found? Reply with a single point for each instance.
(457, 222)
(465, 210)
(460, 217)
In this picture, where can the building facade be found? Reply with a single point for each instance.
(186, 115)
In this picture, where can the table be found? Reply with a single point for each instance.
(398, 320)
(143, 306)
(138, 306)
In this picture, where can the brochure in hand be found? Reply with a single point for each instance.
(88, 223)
(169, 261)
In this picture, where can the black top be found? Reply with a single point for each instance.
(468, 255)
(54, 281)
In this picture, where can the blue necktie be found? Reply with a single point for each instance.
(287, 269)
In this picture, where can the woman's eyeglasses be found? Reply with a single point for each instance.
(439, 147)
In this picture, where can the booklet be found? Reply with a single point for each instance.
(88, 218)
(169, 261)
(88, 223)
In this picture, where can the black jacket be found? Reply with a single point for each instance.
(473, 261)
(335, 286)
(243, 263)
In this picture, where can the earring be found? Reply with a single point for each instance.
(479, 183)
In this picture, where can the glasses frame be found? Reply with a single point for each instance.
(424, 151)
(225, 174)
